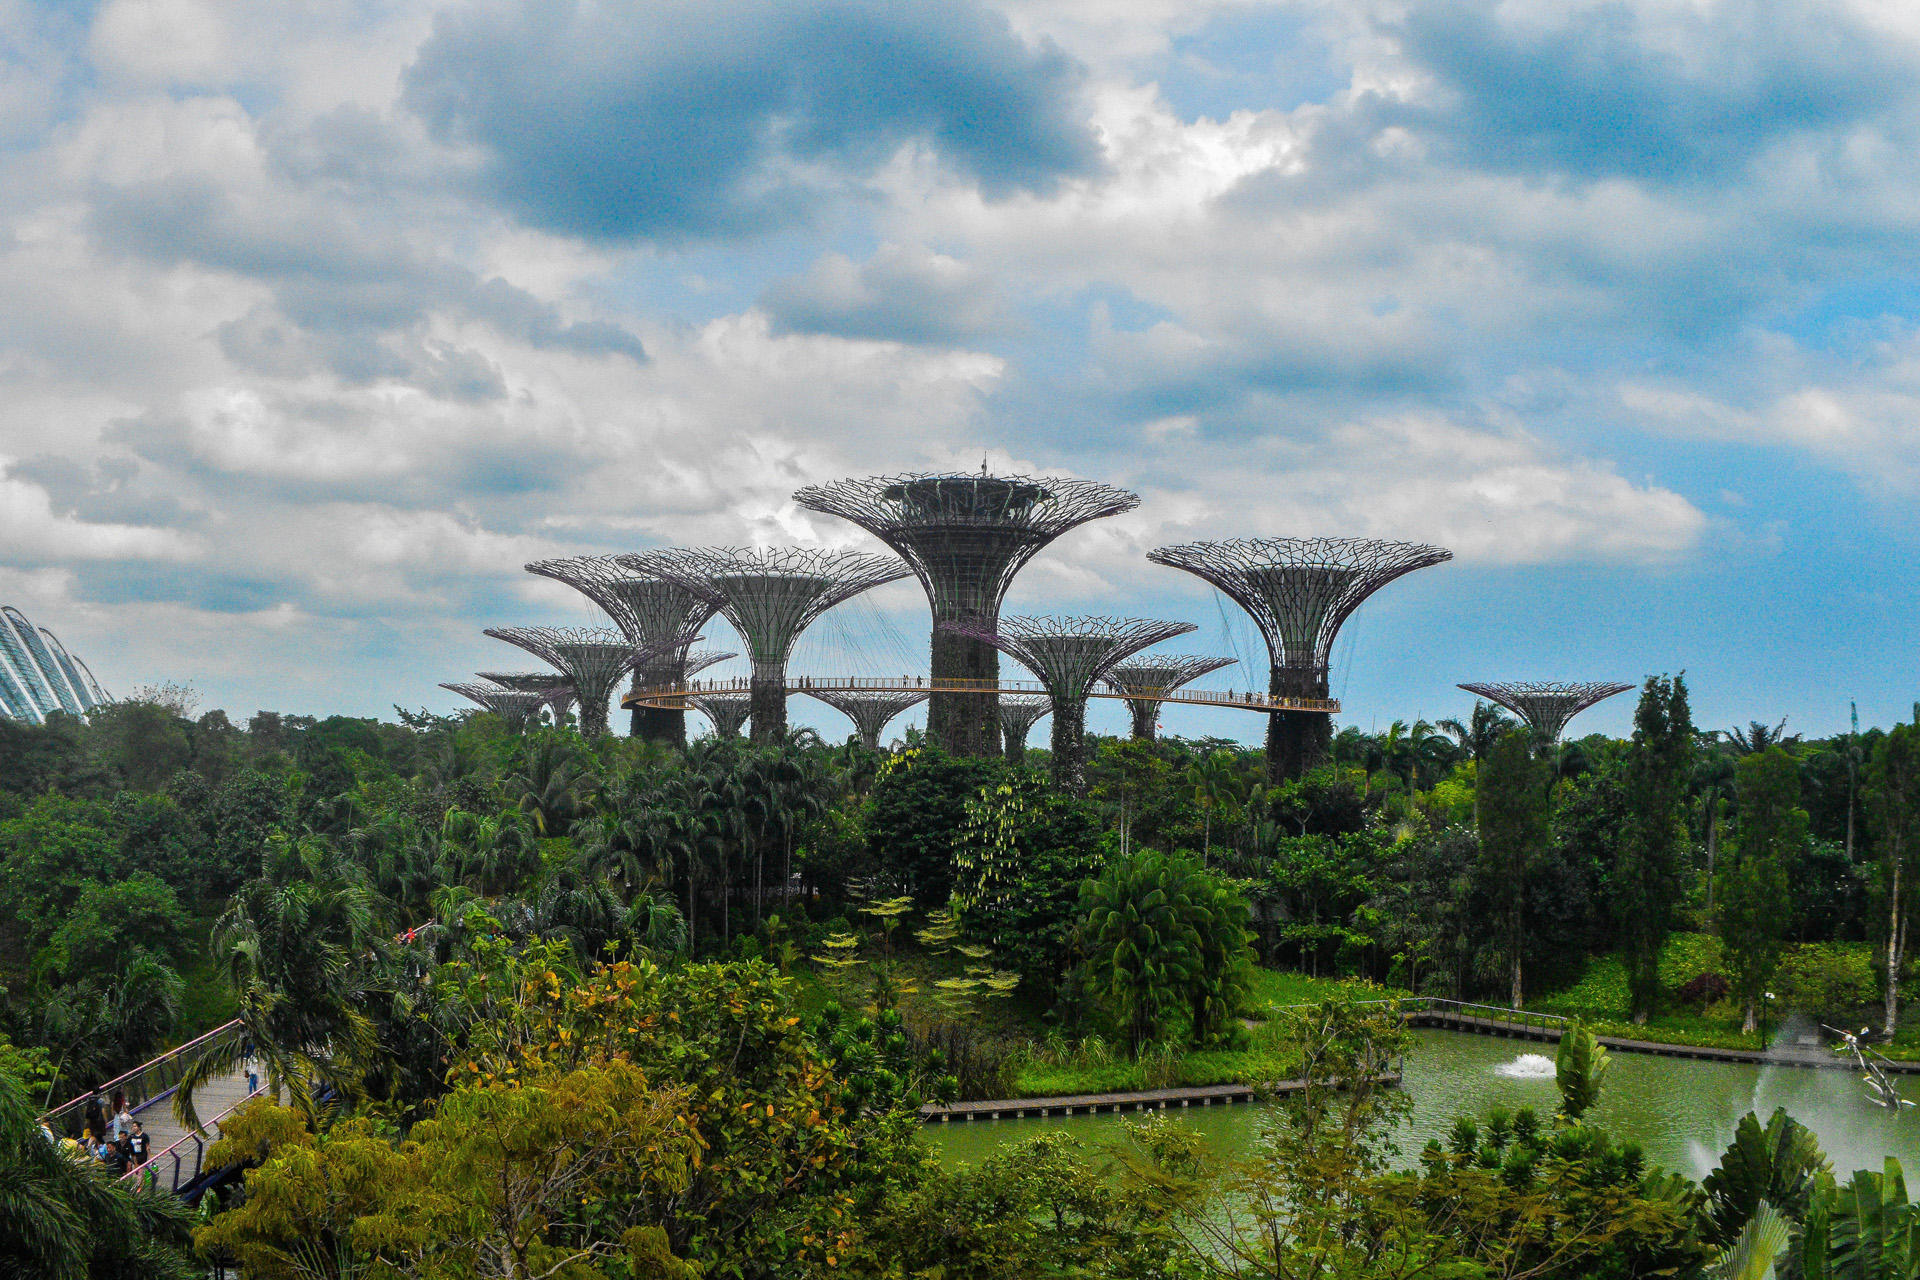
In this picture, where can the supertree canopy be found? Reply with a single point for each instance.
(592, 658)
(553, 687)
(660, 617)
(1299, 591)
(515, 706)
(1546, 705)
(728, 711)
(1069, 656)
(965, 537)
(1145, 683)
(770, 595)
(869, 709)
(1018, 712)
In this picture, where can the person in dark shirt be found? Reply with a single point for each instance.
(96, 1116)
(139, 1146)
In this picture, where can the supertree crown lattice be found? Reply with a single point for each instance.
(1018, 714)
(728, 711)
(965, 537)
(1299, 591)
(870, 710)
(1069, 656)
(1146, 682)
(515, 706)
(593, 659)
(1546, 705)
(770, 595)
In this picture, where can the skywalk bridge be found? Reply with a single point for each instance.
(675, 697)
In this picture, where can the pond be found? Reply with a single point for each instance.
(1682, 1112)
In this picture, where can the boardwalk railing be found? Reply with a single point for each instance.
(149, 1082)
(181, 1164)
(673, 697)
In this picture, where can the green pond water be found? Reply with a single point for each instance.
(1682, 1112)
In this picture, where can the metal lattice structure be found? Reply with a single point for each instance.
(728, 711)
(553, 687)
(1299, 591)
(592, 658)
(661, 618)
(38, 676)
(870, 712)
(1147, 682)
(965, 537)
(1069, 656)
(515, 706)
(1018, 713)
(770, 595)
(1546, 705)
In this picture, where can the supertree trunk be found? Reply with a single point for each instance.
(1145, 713)
(768, 694)
(1069, 744)
(1296, 740)
(964, 724)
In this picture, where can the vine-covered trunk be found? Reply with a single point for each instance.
(1893, 946)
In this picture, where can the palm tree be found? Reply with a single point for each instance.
(1757, 738)
(301, 945)
(1483, 729)
(68, 1219)
(1216, 784)
(544, 781)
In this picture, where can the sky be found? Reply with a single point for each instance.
(319, 320)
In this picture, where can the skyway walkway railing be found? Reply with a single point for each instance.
(674, 697)
(183, 1161)
(150, 1082)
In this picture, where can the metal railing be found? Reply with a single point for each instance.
(148, 1083)
(672, 697)
(181, 1164)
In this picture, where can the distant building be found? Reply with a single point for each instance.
(37, 674)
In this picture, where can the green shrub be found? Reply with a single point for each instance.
(1827, 980)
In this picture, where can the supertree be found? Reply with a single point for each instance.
(728, 711)
(1145, 684)
(770, 595)
(1018, 712)
(1069, 656)
(515, 706)
(1299, 591)
(869, 709)
(1546, 705)
(592, 658)
(965, 537)
(660, 617)
(554, 687)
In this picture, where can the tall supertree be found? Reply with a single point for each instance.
(869, 709)
(660, 617)
(965, 537)
(1299, 591)
(1070, 656)
(1018, 712)
(1546, 705)
(728, 711)
(515, 706)
(770, 595)
(592, 658)
(1146, 683)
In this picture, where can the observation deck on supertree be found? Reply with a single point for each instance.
(770, 595)
(1018, 712)
(870, 712)
(1546, 705)
(660, 617)
(1147, 682)
(728, 711)
(515, 706)
(1299, 591)
(966, 536)
(1069, 656)
(592, 658)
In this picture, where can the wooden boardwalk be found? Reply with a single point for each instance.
(1087, 1104)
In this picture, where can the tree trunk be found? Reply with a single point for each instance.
(786, 874)
(759, 880)
(1752, 1022)
(1893, 948)
(1713, 845)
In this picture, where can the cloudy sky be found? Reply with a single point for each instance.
(317, 320)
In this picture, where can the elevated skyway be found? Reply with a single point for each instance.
(674, 697)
